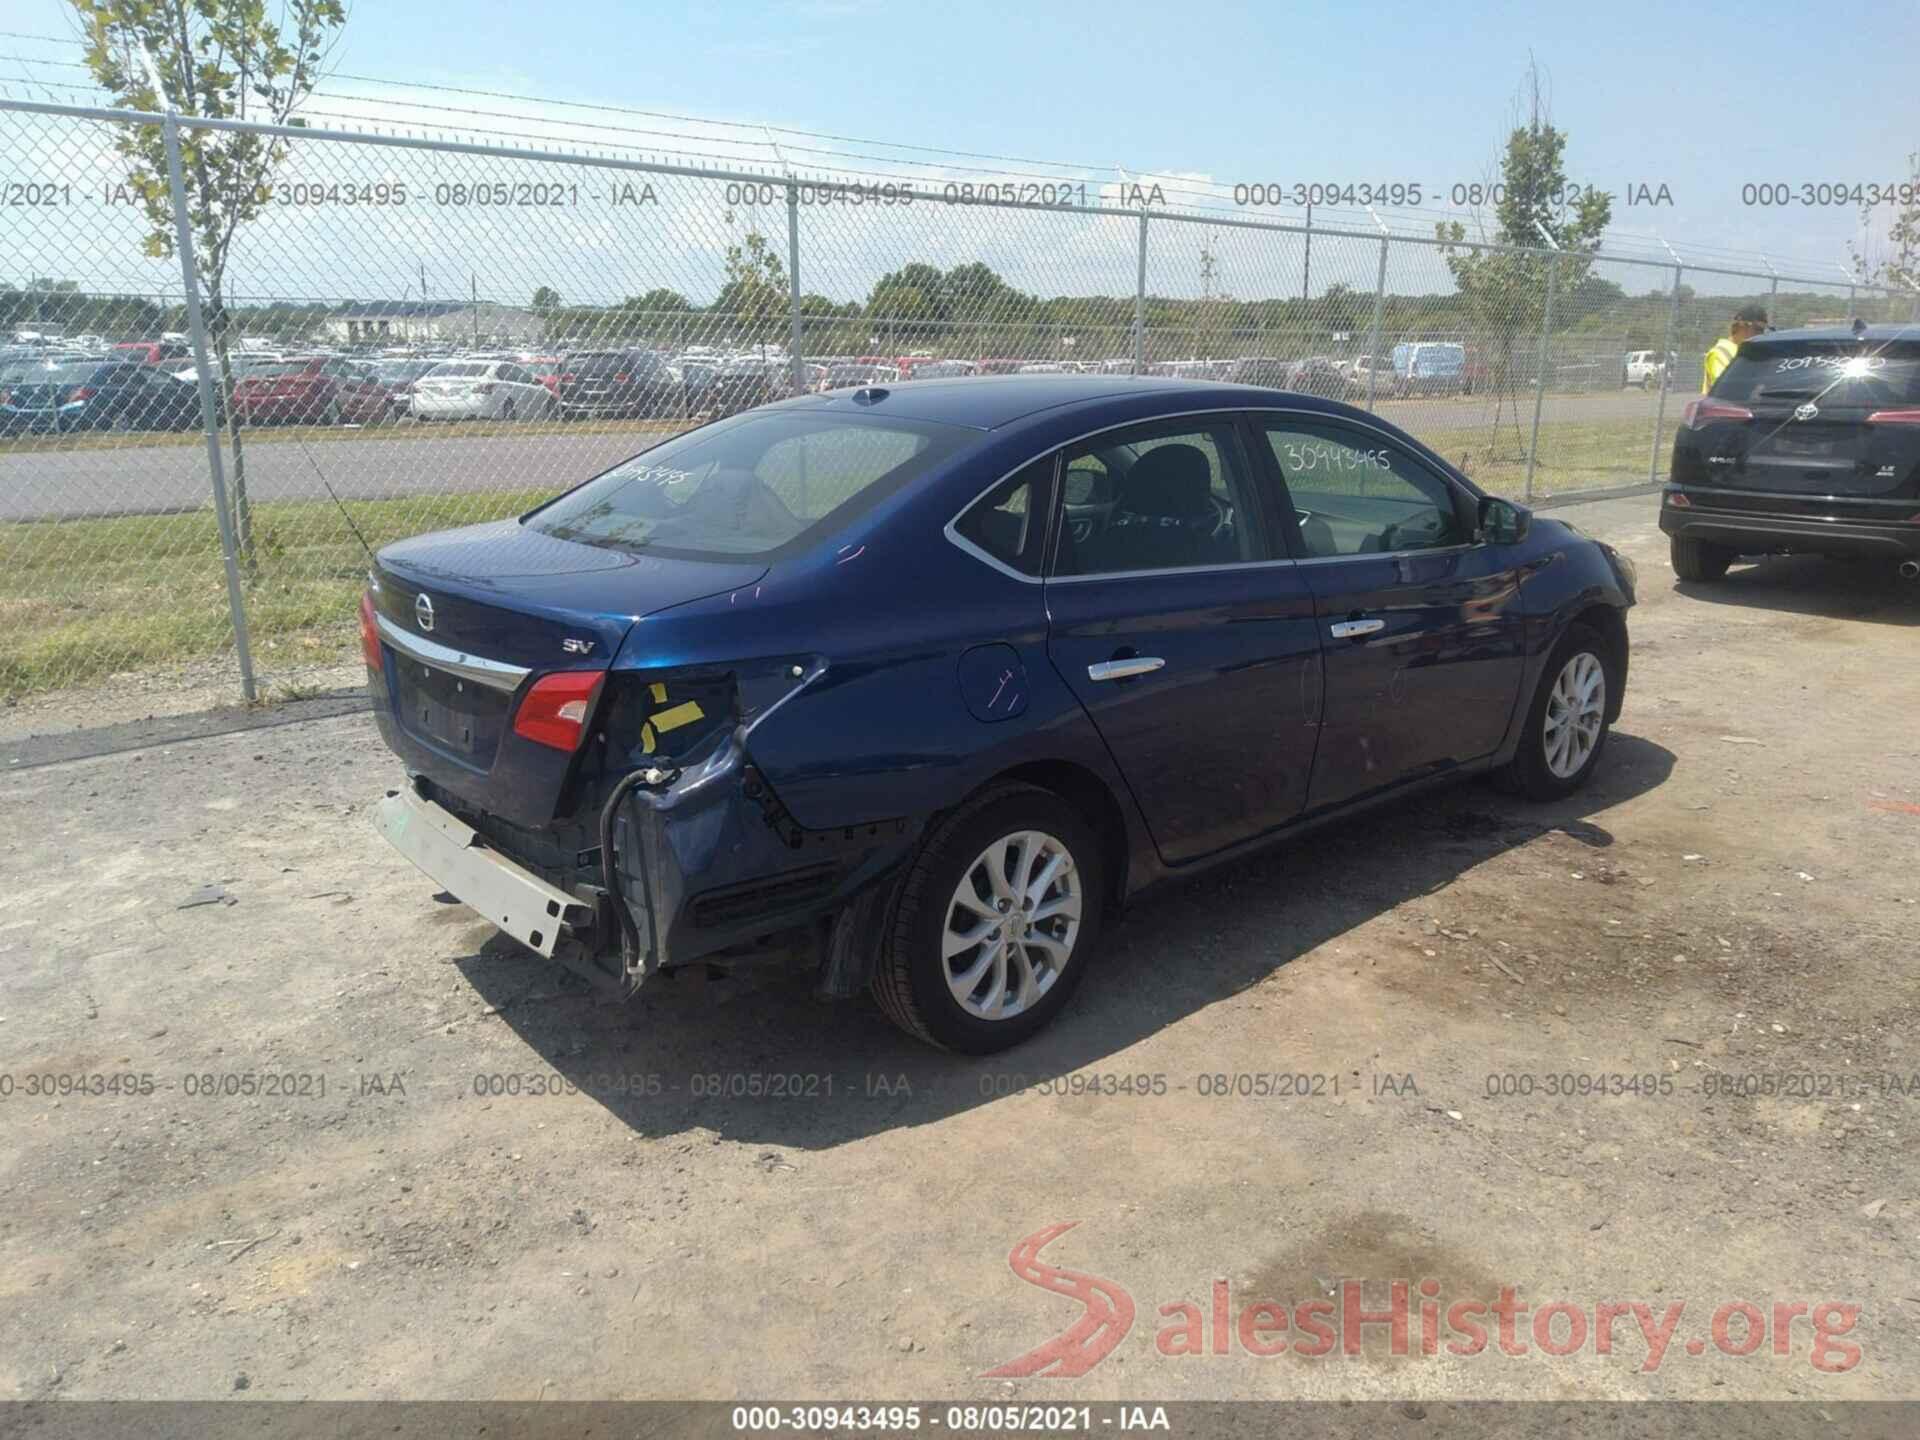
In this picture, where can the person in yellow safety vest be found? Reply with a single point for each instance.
(1748, 321)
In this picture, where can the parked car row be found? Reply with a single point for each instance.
(40, 398)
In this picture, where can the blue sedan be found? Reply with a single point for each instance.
(921, 684)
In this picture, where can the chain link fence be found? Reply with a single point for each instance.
(405, 335)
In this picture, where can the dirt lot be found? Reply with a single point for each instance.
(1736, 895)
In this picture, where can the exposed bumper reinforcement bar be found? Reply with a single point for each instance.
(450, 852)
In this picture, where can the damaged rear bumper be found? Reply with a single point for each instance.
(451, 852)
(706, 863)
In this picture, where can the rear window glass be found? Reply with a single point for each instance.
(456, 372)
(283, 367)
(604, 364)
(747, 486)
(1842, 373)
(70, 374)
(1007, 522)
(402, 369)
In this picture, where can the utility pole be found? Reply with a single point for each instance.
(475, 278)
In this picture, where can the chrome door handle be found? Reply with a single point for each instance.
(1124, 669)
(1354, 629)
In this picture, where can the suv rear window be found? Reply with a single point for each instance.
(607, 362)
(1837, 372)
(747, 486)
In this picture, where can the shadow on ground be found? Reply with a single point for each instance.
(755, 1058)
(1817, 586)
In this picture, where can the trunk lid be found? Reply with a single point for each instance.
(469, 619)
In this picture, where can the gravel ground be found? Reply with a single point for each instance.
(1735, 895)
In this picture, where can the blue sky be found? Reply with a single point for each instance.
(1701, 98)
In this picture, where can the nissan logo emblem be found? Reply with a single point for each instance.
(423, 612)
(1806, 411)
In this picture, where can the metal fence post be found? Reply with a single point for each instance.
(1373, 342)
(1140, 303)
(1660, 410)
(1540, 377)
(795, 346)
(209, 414)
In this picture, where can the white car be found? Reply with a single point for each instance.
(1647, 368)
(1380, 367)
(481, 390)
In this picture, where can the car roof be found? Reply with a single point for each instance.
(989, 402)
(1841, 333)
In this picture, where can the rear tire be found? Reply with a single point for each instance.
(1566, 725)
(1697, 561)
(1033, 948)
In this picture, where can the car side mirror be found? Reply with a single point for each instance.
(1502, 522)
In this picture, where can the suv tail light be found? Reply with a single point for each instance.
(622, 378)
(555, 710)
(79, 393)
(369, 633)
(1702, 410)
(567, 377)
(1894, 417)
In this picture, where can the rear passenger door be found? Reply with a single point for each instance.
(1188, 635)
(1421, 619)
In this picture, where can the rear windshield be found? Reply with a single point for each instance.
(747, 486)
(1842, 372)
(606, 364)
(283, 367)
(402, 369)
(73, 373)
(455, 372)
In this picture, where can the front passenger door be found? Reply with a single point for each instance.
(1186, 633)
(1422, 621)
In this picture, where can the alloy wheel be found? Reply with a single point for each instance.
(1576, 708)
(1011, 925)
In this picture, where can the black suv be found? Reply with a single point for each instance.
(1809, 442)
(618, 382)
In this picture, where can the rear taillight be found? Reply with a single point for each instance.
(567, 378)
(621, 378)
(1894, 417)
(555, 710)
(79, 393)
(369, 633)
(1703, 411)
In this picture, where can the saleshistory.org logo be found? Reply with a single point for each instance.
(1408, 1312)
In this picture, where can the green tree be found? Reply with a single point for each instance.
(546, 304)
(216, 60)
(754, 296)
(1504, 291)
(911, 301)
(658, 299)
(1898, 265)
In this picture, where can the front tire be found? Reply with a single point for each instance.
(1567, 725)
(1696, 560)
(993, 923)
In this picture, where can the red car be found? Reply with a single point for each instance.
(317, 391)
(546, 369)
(151, 352)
